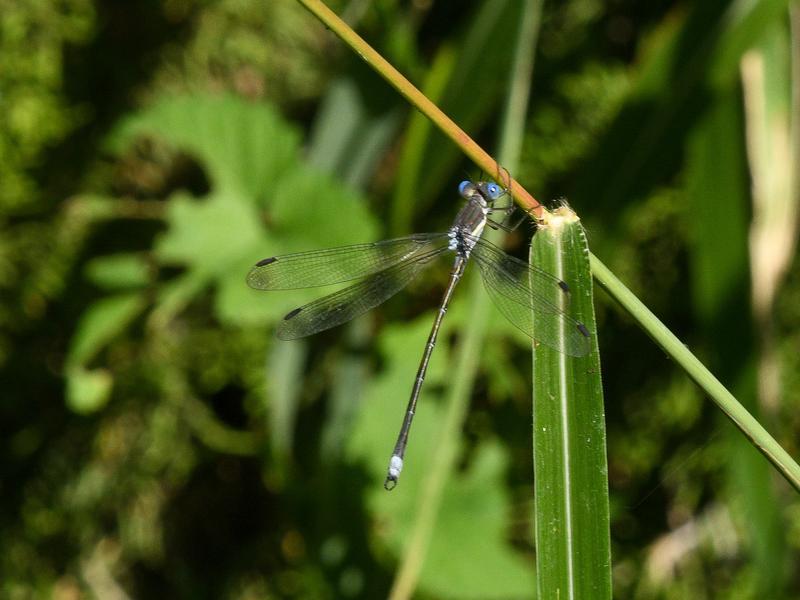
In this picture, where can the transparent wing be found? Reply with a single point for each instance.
(519, 290)
(344, 305)
(336, 265)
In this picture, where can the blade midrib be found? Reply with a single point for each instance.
(563, 388)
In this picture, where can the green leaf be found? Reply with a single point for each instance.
(99, 324)
(418, 134)
(350, 375)
(571, 474)
(308, 210)
(474, 511)
(474, 505)
(285, 376)
(475, 82)
(216, 239)
(88, 391)
(210, 237)
(118, 271)
(687, 60)
(245, 146)
(252, 156)
(718, 186)
(350, 135)
(311, 210)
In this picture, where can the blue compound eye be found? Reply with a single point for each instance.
(463, 186)
(493, 190)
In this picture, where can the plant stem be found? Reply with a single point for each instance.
(478, 155)
(676, 350)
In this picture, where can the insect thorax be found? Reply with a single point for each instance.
(461, 240)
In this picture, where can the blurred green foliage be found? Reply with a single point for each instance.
(160, 442)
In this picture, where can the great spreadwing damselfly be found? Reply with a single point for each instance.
(519, 290)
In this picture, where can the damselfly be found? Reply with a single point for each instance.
(384, 268)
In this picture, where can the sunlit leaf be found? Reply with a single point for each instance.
(474, 505)
(307, 211)
(257, 178)
(118, 271)
(245, 146)
(209, 235)
(88, 390)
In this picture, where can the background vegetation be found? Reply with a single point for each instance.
(159, 442)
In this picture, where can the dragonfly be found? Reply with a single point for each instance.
(381, 269)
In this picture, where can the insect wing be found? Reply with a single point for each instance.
(520, 291)
(344, 305)
(337, 265)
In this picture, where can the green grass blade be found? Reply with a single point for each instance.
(720, 211)
(572, 510)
